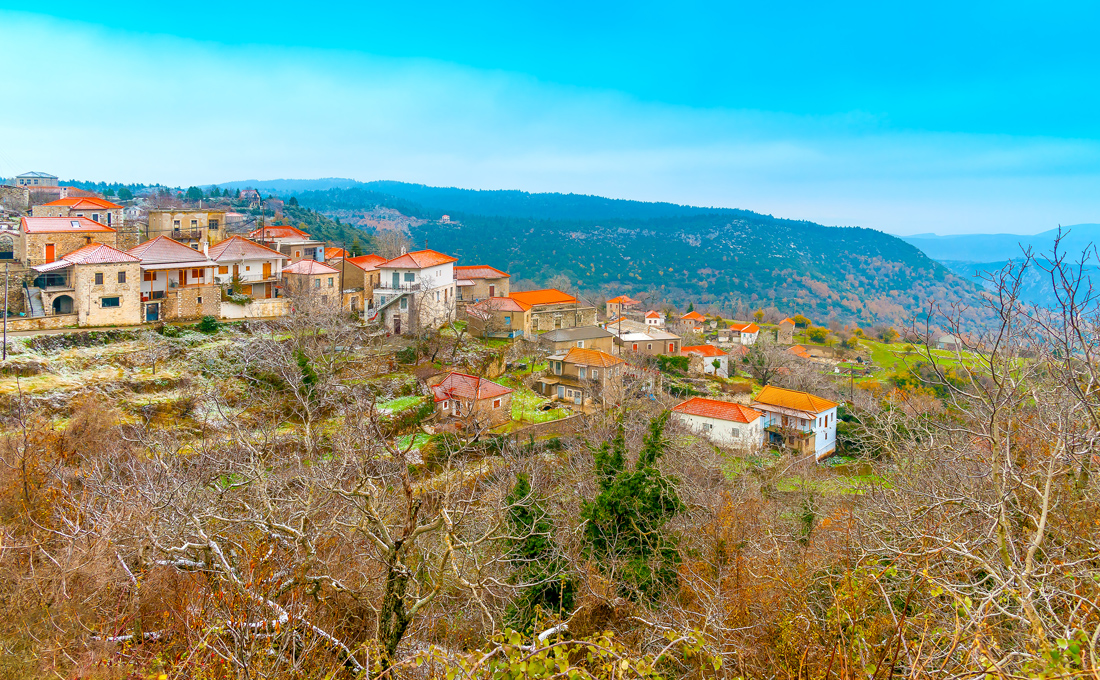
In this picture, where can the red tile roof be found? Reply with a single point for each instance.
(652, 315)
(787, 321)
(237, 248)
(367, 263)
(799, 351)
(279, 231)
(591, 357)
(333, 253)
(162, 249)
(546, 296)
(310, 268)
(479, 271)
(703, 350)
(501, 304)
(93, 253)
(793, 399)
(78, 202)
(60, 225)
(745, 327)
(721, 410)
(693, 316)
(420, 259)
(622, 300)
(463, 386)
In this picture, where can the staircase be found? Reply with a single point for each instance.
(375, 314)
(34, 301)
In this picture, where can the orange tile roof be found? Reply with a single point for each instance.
(622, 300)
(704, 350)
(238, 248)
(333, 253)
(93, 253)
(78, 202)
(367, 263)
(799, 351)
(419, 259)
(465, 386)
(721, 410)
(501, 304)
(310, 268)
(745, 328)
(278, 231)
(546, 296)
(693, 316)
(652, 315)
(591, 357)
(479, 271)
(793, 399)
(787, 320)
(60, 225)
(162, 249)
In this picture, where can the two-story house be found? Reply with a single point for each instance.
(583, 377)
(692, 322)
(257, 267)
(476, 402)
(499, 317)
(296, 244)
(359, 274)
(654, 319)
(585, 337)
(641, 339)
(176, 281)
(620, 305)
(415, 291)
(314, 279)
(714, 361)
(478, 282)
(552, 309)
(191, 227)
(45, 239)
(744, 333)
(784, 334)
(99, 284)
(722, 422)
(797, 420)
(96, 209)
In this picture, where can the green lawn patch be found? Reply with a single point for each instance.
(402, 403)
(525, 405)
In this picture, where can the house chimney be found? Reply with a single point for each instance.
(403, 250)
(206, 248)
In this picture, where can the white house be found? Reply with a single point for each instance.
(722, 422)
(258, 267)
(744, 333)
(710, 354)
(798, 420)
(654, 319)
(415, 290)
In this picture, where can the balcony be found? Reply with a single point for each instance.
(401, 288)
(184, 234)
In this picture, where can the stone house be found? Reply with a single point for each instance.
(360, 274)
(176, 281)
(36, 179)
(552, 309)
(475, 402)
(479, 282)
(499, 317)
(709, 354)
(797, 420)
(722, 422)
(310, 277)
(99, 284)
(191, 227)
(583, 377)
(45, 239)
(296, 244)
(620, 305)
(96, 209)
(784, 334)
(692, 322)
(585, 337)
(632, 337)
(257, 267)
(415, 291)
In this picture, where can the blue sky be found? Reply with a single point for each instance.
(903, 117)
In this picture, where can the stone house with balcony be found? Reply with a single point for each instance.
(177, 282)
(98, 284)
(800, 421)
(191, 227)
(473, 402)
(416, 291)
(45, 239)
(296, 244)
(585, 377)
(96, 209)
(585, 337)
(499, 317)
(552, 309)
(480, 282)
(257, 268)
(722, 422)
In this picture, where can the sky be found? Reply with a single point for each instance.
(904, 117)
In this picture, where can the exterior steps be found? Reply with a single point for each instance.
(34, 301)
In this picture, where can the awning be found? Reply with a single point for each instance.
(50, 266)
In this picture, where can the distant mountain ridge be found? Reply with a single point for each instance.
(1002, 247)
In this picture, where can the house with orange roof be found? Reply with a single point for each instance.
(480, 281)
(692, 322)
(713, 360)
(552, 309)
(97, 284)
(499, 317)
(784, 335)
(800, 421)
(96, 209)
(620, 305)
(474, 402)
(177, 282)
(313, 279)
(359, 273)
(584, 377)
(416, 291)
(191, 227)
(654, 319)
(45, 239)
(744, 333)
(291, 241)
(722, 422)
(799, 351)
(255, 267)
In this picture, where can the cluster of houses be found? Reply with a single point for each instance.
(83, 266)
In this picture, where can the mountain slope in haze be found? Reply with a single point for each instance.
(1002, 247)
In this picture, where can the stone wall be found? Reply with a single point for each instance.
(30, 249)
(257, 309)
(16, 298)
(131, 235)
(190, 302)
(551, 317)
(42, 323)
(14, 198)
(88, 296)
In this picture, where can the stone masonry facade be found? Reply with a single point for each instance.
(31, 248)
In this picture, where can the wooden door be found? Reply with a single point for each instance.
(236, 270)
(267, 270)
(492, 291)
(50, 256)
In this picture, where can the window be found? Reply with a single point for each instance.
(507, 321)
(99, 278)
(316, 283)
(194, 224)
(223, 270)
(635, 347)
(496, 403)
(649, 345)
(194, 246)
(248, 268)
(198, 274)
(213, 224)
(707, 427)
(736, 432)
(330, 282)
(95, 217)
(671, 347)
(122, 277)
(404, 303)
(410, 277)
(580, 343)
(148, 276)
(198, 300)
(582, 373)
(297, 253)
(595, 374)
(110, 302)
(557, 368)
(175, 224)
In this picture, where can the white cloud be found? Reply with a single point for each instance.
(117, 106)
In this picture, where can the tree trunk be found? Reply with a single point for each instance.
(392, 617)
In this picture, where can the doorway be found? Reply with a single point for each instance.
(152, 312)
(397, 324)
(63, 304)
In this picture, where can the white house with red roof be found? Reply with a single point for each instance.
(715, 361)
(744, 333)
(99, 284)
(722, 422)
(654, 319)
(257, 267)
(478, 402)
(798, 420)
(96, 209)
(415, 291)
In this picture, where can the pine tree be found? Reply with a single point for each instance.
(532, 553)
(626, 520)
(691, 307)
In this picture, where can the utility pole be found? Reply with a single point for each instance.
(6, 311)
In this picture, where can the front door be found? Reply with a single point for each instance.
(236, 270)
(50, 256)
(152, 312)
(396, 280)
(561, 392)
(492, 291)
(267, 270)
(577, 397)
(396, 322)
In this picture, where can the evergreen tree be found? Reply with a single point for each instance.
(532, 552)
(125, 194)
(626, 520)
(691, 307)
(194, 193)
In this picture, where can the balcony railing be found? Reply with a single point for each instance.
(177, 234)
(402, 287)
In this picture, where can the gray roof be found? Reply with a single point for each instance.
(40, 175)
(570, 334)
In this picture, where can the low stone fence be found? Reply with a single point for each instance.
(41, 323)
(565, 426)
(257, 309)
